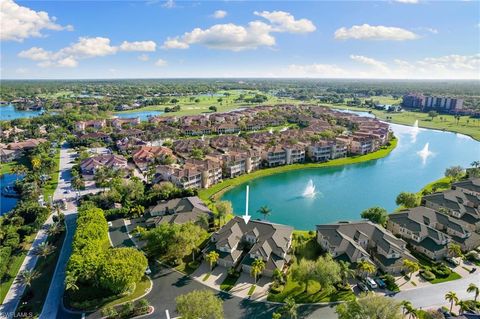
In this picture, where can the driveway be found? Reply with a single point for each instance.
(217, 276)
(245, 282)
(119, 235)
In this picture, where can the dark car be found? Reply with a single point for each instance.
(362, 286)
(381, 284)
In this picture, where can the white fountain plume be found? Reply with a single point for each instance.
(309, 190)
(425, 153)
(414, 131)
(270, 131)
(284, 129)
(203, 137)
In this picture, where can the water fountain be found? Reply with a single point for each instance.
(425, 153)
(270, 131)
(309, 189)
(284, 129)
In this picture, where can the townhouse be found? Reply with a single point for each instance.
(111, 161)
(239, 162)
(239, 245)
(119, 123)
(81, 126)
(364, 240)
(147, 155)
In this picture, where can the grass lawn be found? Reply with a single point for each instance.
(216, 190)
(34, 296)
(453, 276)
(89, 300)
(439, 185)
(206, 276)
(51, 185)
(229, 282)
(190, 107)
(6, 168)
(14, 265)
(251, 290)
(187, 267)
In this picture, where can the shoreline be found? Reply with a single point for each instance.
(211, 194)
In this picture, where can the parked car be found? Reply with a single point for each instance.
(148, 271)
(452, 261)
(110, 224)
(371, 283)
(362, 286)
(381, 284)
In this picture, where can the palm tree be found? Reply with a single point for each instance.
(345, 271)
(452, 298)
(71, 283)
(410, 267)
(137, 211)
(44, 249)
(366, 267)
(26, 277)
(212, 258)
(472, 288)
(463, 306)
(454, 250)
(475, 164)
(411, 312)
(55, 229)
(258, 266)
(406, 305)
(265, 211)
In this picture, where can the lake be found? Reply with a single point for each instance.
(143, 115)
(8, 113)
(7, 203)
(342, 193)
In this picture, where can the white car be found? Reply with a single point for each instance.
(148, 271)
(371, 283)
(109, 224)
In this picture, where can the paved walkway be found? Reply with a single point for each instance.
(10, 303)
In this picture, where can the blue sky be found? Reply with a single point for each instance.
(319, 39)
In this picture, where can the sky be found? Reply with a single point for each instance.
(392, 39)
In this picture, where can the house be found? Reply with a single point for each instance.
(178, 211)
(26, 145)
(275, 156)
(211, 171)
(227, 128)
(118, 123)
(455, 229)
(460, 205)
(236, 163)
(240, 244)
(196, 130)
(81, 126)
(294, 153)
(150, 154)
(364, 240)
(7, 155)
(470, 186)
(90, 165)
(100, 136)
(320, 151)
(182, 177)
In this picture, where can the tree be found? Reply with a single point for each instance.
(377, 215)
(454, 250)
(369, 306)
(405, 305)
(452, 298)
(433, 114)
(411, 312)
(327, 271)
(304, 272)
(122, 269)
(265, 211)
(199, 304)
(475, 164)
(410, 267)
(212, 108)
(345, 271)
(408, 200)
(276, 315)
(212, 258)
(365, 268)
(44, 249)
(454, 172)
(472, 288)
(26, 277)
(224, 208)
(289, 308)
(258, 265)
(137, 211)
(71, 283)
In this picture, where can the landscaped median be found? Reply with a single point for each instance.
(217, 190)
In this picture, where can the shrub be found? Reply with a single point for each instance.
(5, 253)
(143, 305)
(109, 312)
(427, 275)
(127, 308)
(472, 256)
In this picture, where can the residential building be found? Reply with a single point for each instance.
(81, 126)
(146, 155)
(275, 156)
(90, 165)
(239, 243)
(364, 240)
(179, 211)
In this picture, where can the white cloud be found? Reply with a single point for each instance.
(237, 37)
(219, 14)
(408, 1)
(161, 63)
(169, 4)
(18, 23)
(144, 57)
(84, 48)
(282, 21)
(21, 71)
(368, 32)
(316, 70)
(378, 65)
(146, 46)
(225, 36)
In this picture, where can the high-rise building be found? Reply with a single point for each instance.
(441, 103)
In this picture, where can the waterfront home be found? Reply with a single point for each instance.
(90, 165)
(294, 153)
(364, 240)
(181, 177)
(119, 123)
(25, 145)
(320, 151)
(239, 162)
(457, 204)
(405, 224)
(275, 156)
(7, 155)
(163, 119)
(146, 155)
(240, 244)
(81, 126)
(470, 186)
(196, 130)
(211, 170)
(178, 211)
(361, 145)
